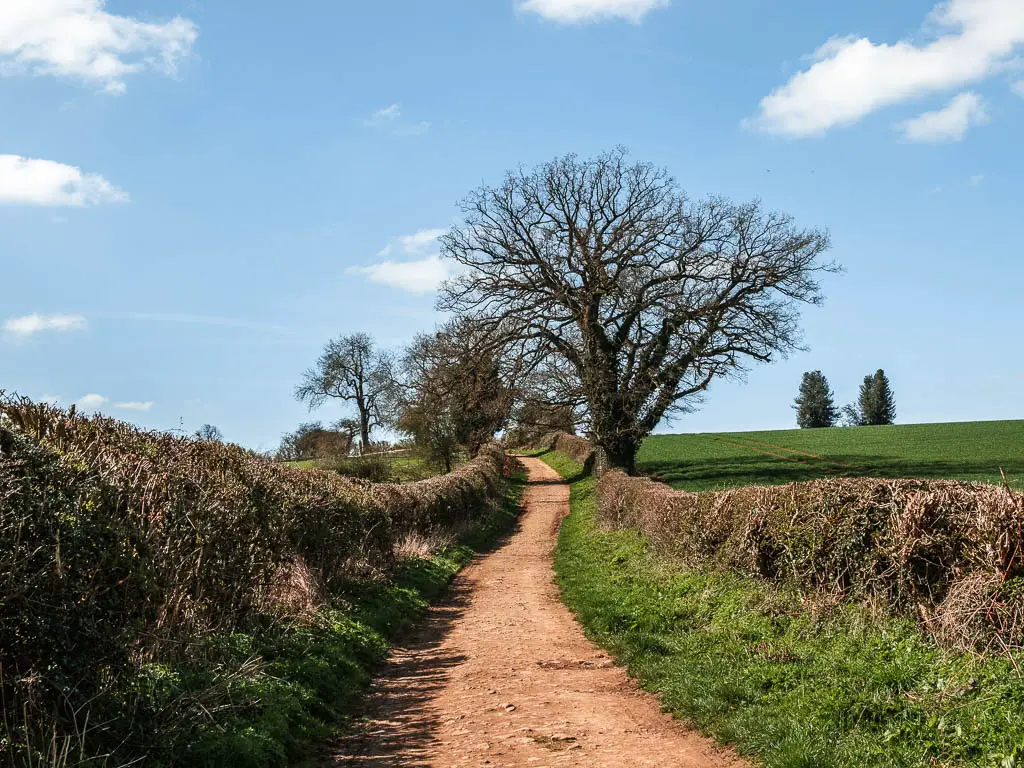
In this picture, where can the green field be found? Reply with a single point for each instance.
(963, 451)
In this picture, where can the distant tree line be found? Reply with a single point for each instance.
(815, 404)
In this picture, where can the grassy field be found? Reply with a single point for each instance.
(963, 451)
(746, 662)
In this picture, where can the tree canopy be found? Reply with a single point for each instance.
(877, 403)
(352, 369)
(815, 405)
(643, 295)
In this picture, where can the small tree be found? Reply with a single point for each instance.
(353, 370)
(315, 441)
(209, 432)
(814, 405)
(852, 415)
(876, 399)
(454, 391)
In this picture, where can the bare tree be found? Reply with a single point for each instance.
(645, 295)
(352, 369)
(457, 390)
(209, 432)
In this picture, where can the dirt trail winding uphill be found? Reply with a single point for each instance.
(500, 674)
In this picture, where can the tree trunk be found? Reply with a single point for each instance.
(621, 452)
(613, 425)
(364, 431)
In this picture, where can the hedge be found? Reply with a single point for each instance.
(949, 553)
(121, 547)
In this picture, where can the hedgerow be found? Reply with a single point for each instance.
(574, 446)
(949, 553)
(129, 559)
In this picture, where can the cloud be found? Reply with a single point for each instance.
(79, 39)
(581, 11)
(415, 244)
(390, 116)
(25, 181)
(1018, 88)
(53, 400)
(29, 325)
(135, 406)
(91, 402)
(950, 123)
(420, 240)
(976, 179)
(383, 116)
(851, 77)
(419, 276)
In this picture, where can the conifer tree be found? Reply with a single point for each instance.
(876, 399)
(866, 400)
(814, 405)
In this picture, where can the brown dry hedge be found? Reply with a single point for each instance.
(119, 545)
(574, 446)
(950, 553)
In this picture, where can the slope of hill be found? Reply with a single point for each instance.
(964, 451)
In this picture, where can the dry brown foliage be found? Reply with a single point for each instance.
(950, 553)
(118, 544)
(574, 446)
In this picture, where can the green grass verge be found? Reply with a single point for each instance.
(746, 664)
(273, 694)
(966, 451)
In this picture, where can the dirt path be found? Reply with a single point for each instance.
(500, 674)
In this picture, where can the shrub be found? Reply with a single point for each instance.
(375, 468)
(949, 553)
(578, 448)
(123, 550)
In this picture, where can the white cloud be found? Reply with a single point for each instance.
(976, 179)
(1018, 88)
(950, 123)
(135, 406)
(29, 325)
(50, 399)
(415, 244)
(390, 116)
(385, 115)
(852, 77)
(419, 276)
(579, 11)
(26, 181)
(420, 240)
(78, 38)
(91, 402)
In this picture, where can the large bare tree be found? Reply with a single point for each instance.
(352, 369)
(645, 295)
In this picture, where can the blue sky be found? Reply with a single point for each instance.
(195, 196)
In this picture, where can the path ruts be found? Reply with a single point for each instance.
(500, 674)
